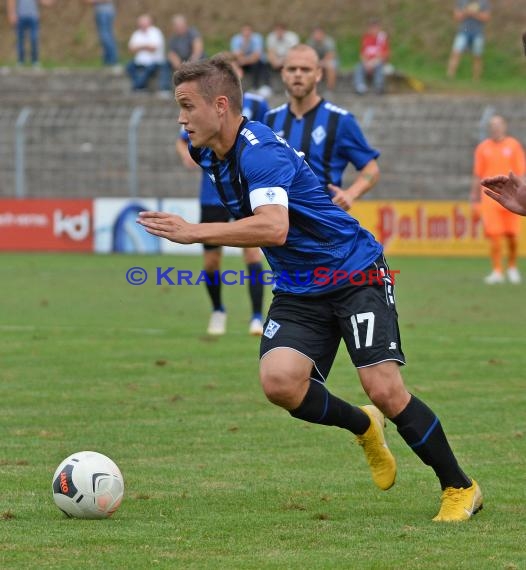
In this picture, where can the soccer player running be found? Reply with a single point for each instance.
(212, 210)
(329, 136)
(279, 205)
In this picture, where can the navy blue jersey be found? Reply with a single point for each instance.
(254, 109)
(329, 136)
(263, 169)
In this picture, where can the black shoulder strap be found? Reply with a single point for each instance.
(195, 153)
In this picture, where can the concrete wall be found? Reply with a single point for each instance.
(76, 137)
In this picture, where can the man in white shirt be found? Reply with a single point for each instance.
(278, 42)
(147, 46)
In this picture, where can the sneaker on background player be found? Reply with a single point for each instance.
(513, 275)
(217, 323)
(256, 326)
(494, 278)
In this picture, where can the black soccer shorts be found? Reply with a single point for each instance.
(363, 315)
(210, 214)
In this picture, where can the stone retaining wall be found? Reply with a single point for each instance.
(77, 138)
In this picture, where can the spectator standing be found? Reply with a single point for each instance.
(185, 43)
(278, 42)
(471, 17)
(24, 16)
(147, 46)
(374, 54)
(249, 50)
(498, 155)
(104, 20)
(325, 46)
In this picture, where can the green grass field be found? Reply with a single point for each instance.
(215, 476)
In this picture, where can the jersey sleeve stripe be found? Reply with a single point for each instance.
(332, 129)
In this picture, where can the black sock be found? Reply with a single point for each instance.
(320, 407)
(256, 288)
(213, 286)
(422, 431)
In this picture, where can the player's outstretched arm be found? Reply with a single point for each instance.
(509, 191)
(268, 227)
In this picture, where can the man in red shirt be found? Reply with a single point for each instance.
(498, 155)
(374, 54)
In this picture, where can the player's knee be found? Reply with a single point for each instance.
(379, 395)
(391, 399)
(280, 388)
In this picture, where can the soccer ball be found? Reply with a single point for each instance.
(88, 485)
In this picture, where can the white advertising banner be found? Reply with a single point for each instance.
(190, 210)
(115, 228)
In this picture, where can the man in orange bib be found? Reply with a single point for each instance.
(498, 155)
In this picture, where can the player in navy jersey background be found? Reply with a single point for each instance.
(212, 210)
(329, 136)
(279, 205)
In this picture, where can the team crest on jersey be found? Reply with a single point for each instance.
(319, 134)
(272, 328)
(270, 194)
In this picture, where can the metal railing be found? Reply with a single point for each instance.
(120, 149)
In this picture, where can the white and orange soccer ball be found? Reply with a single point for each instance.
(88, 485)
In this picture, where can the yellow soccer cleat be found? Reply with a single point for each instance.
(460, 504)
(380, 459)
